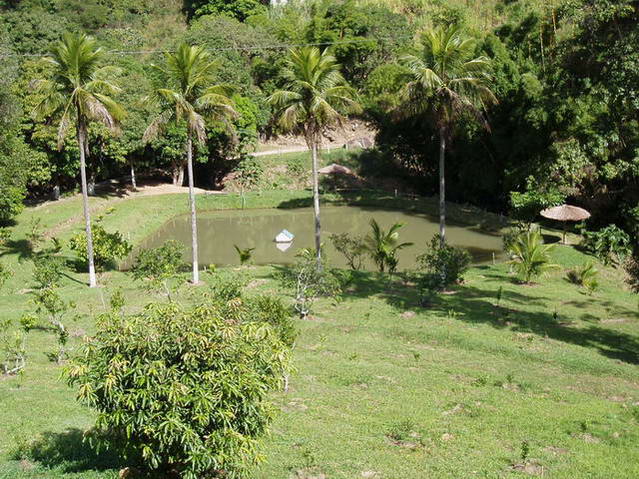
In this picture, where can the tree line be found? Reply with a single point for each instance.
(561, 124)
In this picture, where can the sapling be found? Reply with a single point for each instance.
(309, 281)
(53, 309)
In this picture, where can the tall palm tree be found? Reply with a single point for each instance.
(446, 82)
(192, 98)
(315, 96)
(79, 92)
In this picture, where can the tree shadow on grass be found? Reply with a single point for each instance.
(69, 451)
(22, 248)
(477, 306)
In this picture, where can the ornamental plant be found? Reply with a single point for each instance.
(183, 391)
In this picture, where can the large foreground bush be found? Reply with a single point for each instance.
(185, 391)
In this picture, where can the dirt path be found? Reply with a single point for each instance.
(113, 193)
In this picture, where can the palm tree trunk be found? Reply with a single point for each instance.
(316, 205)
(189, 161)
(442, 187)
(134, 183)
(85, 203)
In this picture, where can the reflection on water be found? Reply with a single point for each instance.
(218, 231)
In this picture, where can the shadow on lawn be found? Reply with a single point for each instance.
(69, 451)
(476, 305)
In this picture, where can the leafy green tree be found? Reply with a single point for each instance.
(108, 248)
(446, 82)
(79, 93)
(383, 246)
(314, 97)
(190, 98)
(239, 9)
(184, 390)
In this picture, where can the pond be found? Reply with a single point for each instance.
(219, 231)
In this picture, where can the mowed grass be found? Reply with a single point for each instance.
(383, 387)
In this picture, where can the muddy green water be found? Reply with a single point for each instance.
(218, 231)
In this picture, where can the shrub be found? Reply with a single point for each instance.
(13, 354)
(351, 247)
(444, 265)
(271, 310)
(159, 263)
(531, 257)
(108, 248)
(309, 281)
(52, 308)
(584, 275)
(244, 254)
(47, 270)
(610, 244)
(184, 390)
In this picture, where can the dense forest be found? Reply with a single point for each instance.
(565, 74)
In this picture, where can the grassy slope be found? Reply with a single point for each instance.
(471, 379)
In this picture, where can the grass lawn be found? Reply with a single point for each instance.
(383, 388)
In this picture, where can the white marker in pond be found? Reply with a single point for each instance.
(284, 236)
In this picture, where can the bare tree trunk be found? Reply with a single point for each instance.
(85, 203)
(178, 175)
(134, 183)
(189, 161)
(316, 205)
(442, 187)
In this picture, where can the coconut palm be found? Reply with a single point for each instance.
(446, 82)
(190, 98)
(530, 256)
(79, 92)
(315, 96)
(382, 246)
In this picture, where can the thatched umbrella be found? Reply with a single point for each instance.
(334, 168)
(565, 213)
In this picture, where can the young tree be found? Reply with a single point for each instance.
(79, 92)
(382, 246)
(190, 97)
(445, 83)
(315, 96)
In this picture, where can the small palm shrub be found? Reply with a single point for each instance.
(530, 256)
(108, 248)
(383, 246)
(244, 254)
(443, 265)
(584, 275)
(183, 391)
